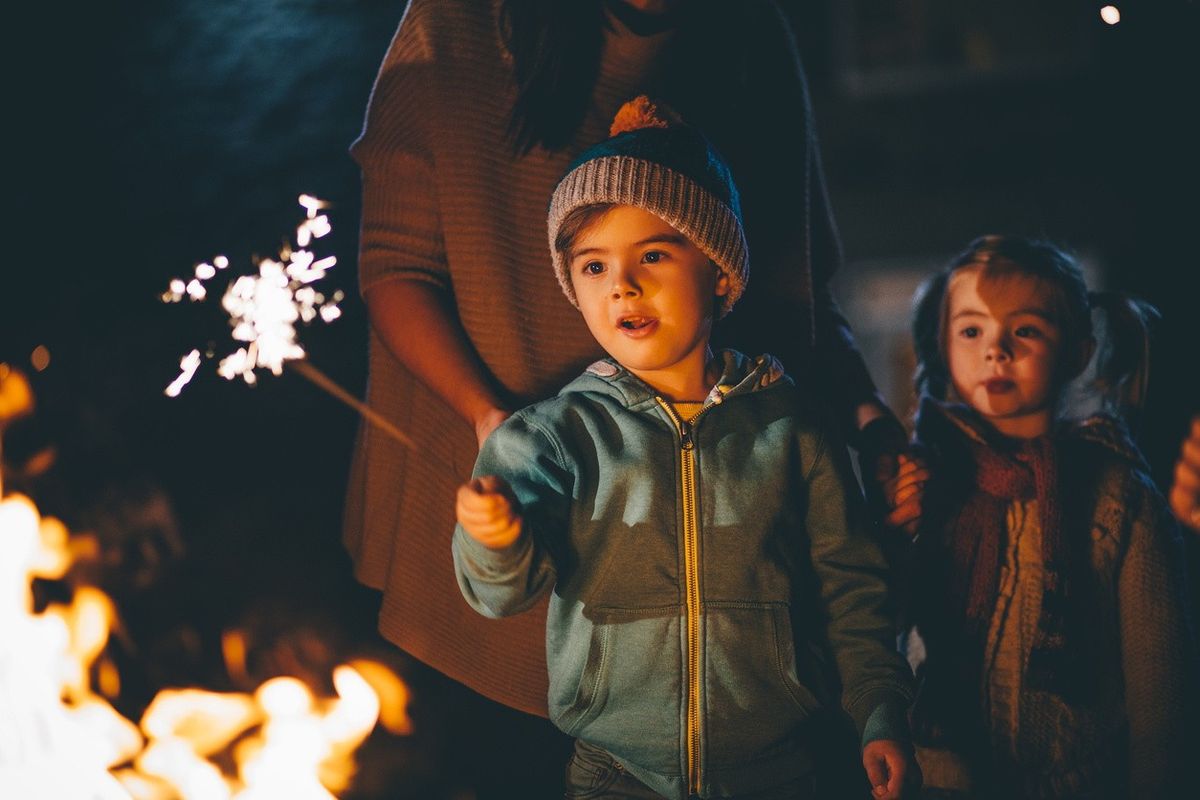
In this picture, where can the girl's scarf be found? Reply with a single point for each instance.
(976, 538)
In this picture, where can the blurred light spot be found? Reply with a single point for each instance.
(1110, 14)
(40, 357)
(221, 262)
(233, 647)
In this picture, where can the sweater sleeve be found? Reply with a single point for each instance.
(401, 223)
(851, 574)
(1158, 651)
(499, 583)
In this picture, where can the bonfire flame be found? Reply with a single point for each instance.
(58, 738)
(51, 748)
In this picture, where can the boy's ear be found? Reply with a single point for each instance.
(722, 288)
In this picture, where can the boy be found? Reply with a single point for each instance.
(698, 525)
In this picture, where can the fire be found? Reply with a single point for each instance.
(59, 738)
(48, 747)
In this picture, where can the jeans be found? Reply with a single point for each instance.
(595, 775)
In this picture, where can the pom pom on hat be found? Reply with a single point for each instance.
(641, 112)
(653, 160)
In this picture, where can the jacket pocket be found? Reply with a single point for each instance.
(579, 687)
(624, 695)
(754, 700)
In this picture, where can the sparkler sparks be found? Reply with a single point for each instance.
(264, 308)
(263, 311)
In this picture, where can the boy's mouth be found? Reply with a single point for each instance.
(635, 324)
(999, 385)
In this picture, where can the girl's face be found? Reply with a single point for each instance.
(1004, 350)
(648, 296)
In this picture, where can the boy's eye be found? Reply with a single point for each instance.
(592, 268)
(1027, 332)
(969, 332)
(653, 256)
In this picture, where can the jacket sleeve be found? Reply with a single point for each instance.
(499, 583)
(401, 234)
(1158, 650)
(852, 584)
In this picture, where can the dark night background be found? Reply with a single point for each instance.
(147, 135)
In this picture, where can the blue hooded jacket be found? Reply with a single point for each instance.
(700, 571)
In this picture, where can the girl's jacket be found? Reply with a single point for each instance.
(700, 572)
(1122, 721)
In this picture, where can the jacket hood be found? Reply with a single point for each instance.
(740, 374)
(936, 419)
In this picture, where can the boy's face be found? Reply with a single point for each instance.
(648, 295)
(1003, 349)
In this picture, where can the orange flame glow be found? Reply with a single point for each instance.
(59, 738)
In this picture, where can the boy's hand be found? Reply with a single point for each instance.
(903, 492)
(890, 767)
(487, 511)
(1185, 490)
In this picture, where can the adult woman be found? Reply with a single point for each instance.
(477, 111)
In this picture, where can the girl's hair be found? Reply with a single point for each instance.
(1122, 365)
(556, 46)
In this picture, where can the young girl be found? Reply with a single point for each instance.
(1055, 653)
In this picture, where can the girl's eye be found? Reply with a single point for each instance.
(653, 256)
(1027, 332)
(969, 332)
(593, 268)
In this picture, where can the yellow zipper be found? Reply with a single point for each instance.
(691, 566)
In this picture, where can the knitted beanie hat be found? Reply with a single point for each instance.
(658, 164)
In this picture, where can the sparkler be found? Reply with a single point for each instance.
(263, 312)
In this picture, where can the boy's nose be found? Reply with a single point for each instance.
(623, 285)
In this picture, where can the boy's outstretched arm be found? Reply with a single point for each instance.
(519, 496)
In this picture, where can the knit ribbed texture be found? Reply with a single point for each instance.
(670, 195)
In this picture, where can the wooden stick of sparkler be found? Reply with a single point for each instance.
(371, 415)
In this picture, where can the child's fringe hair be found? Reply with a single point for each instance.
(1123, 359)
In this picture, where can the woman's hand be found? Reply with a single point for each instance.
(1185, 490)
(488, 512)
(904, 492)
